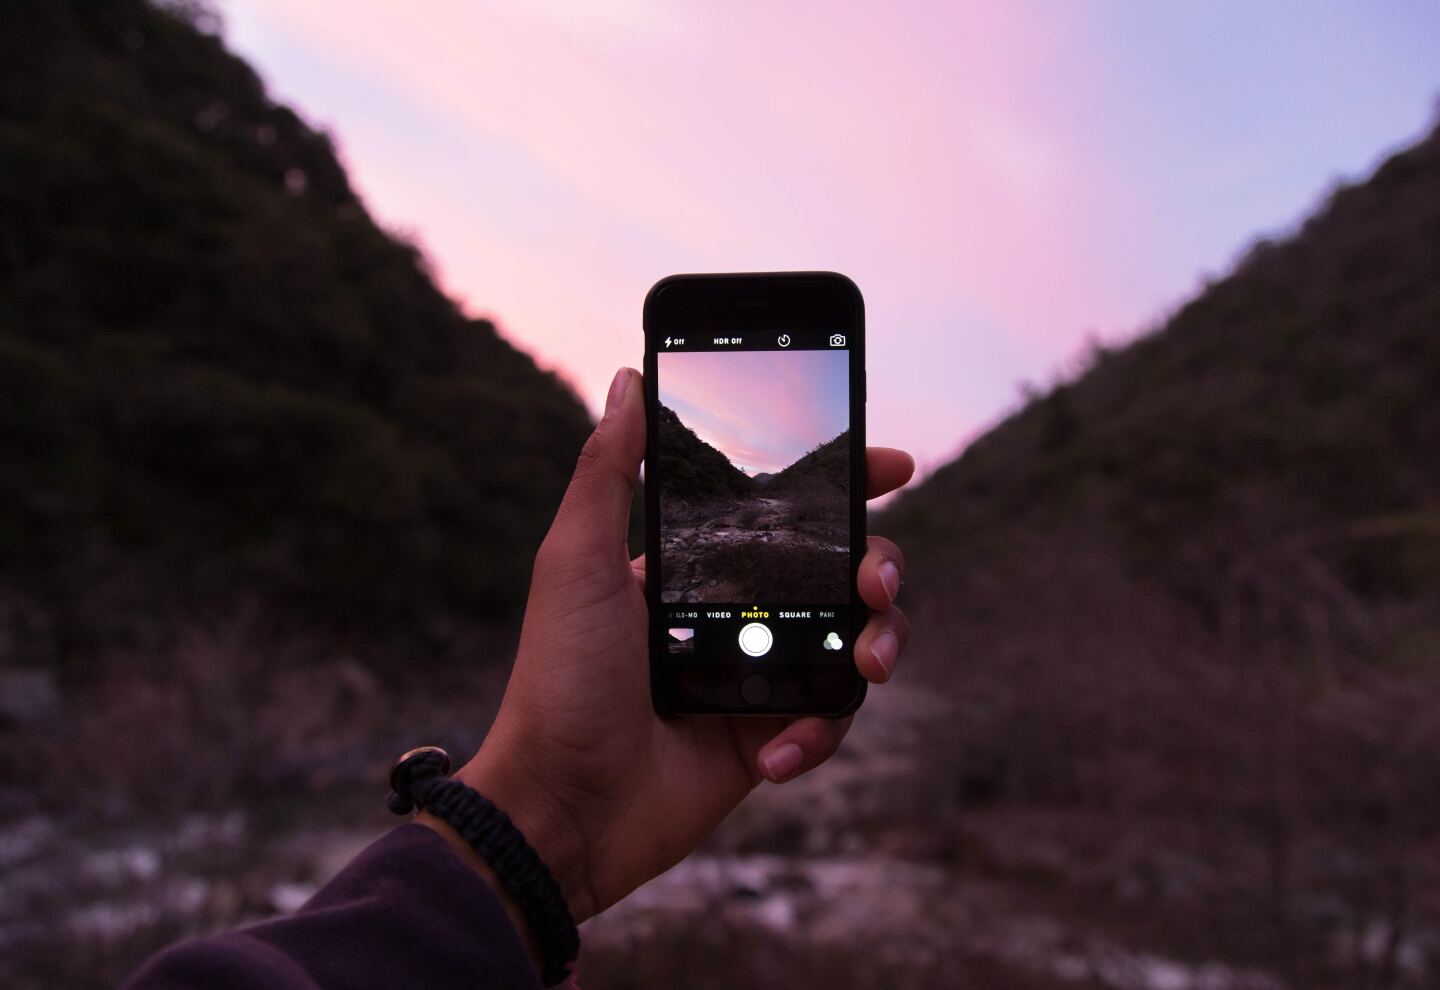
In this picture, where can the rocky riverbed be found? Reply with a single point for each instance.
(731, 551)
(840, 879)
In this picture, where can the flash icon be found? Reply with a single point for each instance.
(667, 341)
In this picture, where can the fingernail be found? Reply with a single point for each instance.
(780, 762)
(890, 578)
(885, 649)
(618, 388)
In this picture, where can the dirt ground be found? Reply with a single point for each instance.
(772, 549)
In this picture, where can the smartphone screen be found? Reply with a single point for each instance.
(755, 493)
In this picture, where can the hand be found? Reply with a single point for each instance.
(608, 792)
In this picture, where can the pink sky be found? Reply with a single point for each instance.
(762, 409)
(1003, 180)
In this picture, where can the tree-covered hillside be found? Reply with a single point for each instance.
(1290, 412)
(219, 373)
(826, 468)
(691, 467)
(1183, 612)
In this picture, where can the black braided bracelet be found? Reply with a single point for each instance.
(420, 780)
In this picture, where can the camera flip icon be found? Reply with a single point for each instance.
(837, 340)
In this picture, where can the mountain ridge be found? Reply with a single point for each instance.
(827, 465)
(224, 376)
(1295, 402)
(691, 467)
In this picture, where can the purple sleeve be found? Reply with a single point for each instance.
(405, 912)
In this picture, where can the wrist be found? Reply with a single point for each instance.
(468, 855)
(548, 828)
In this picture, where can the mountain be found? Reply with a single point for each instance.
(693, 469)
(1278, 436)
(826, 468)
(220, 375)
(1179, 616)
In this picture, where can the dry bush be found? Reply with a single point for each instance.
(221, 716)
(749, 514)
(701, 954)
(235, 710)
(1268, 790)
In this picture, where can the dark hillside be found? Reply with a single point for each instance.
(1295, 402)
(1184, 611)
(826, 468)
(693, 469)
(728, 538)
(1170, 712)
(219, 373)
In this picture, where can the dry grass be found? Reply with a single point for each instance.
(1243, 792)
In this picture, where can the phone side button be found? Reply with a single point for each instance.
(755, 689)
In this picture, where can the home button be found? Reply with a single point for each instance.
(755, 689)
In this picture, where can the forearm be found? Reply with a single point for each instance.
(526, 793)
(406, 912)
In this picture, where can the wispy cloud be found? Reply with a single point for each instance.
(761, 409)
(1001, 179)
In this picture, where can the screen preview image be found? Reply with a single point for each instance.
(753, 468)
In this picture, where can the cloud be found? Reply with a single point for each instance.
(762, 409)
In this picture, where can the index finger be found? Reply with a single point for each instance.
(886, 469)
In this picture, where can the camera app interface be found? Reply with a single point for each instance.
(753, 469)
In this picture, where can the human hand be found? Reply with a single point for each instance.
(608, 792)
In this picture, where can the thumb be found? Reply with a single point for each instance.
(594, 516)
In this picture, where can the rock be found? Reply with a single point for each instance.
(122, 867)
(28, 697)
(23, 839)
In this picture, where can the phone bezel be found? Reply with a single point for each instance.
(751, 302)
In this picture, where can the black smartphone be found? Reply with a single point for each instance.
(755, 492)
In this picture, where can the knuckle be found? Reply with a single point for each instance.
(557, 554)
(822, 738)
(887, 550)
(602, 461)
(548, 557)
(901, 625)
(592, 454)
(895, 554)
(568, 563)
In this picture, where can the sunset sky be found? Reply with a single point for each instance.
(762, 409)
(1004, 180)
